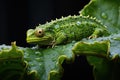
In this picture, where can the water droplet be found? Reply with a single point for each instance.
(104, 15)
(39, 64)
(78, 23)
(38, 59)
(26, 54)
(32, 64)
(56, 26)
(35, 47)
(73, 41)
(38, 53)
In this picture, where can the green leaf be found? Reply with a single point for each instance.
(48, 62)
(104, 69)
(12, 65)
(45, 64)
(95, 49)
(103, 54)
(107, 11)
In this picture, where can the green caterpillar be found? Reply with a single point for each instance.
(66, 30)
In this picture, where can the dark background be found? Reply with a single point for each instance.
(17, 16)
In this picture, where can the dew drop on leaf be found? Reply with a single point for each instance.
(104, 15)
(26, 55)
(38, 53)
(37, 59)
(32, 64)
(39, 64)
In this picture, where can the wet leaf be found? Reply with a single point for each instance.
(107, 11)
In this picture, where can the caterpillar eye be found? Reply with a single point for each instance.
(39, 32)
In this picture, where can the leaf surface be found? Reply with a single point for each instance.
(47, 62)
(103, 54)
(107, 11)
